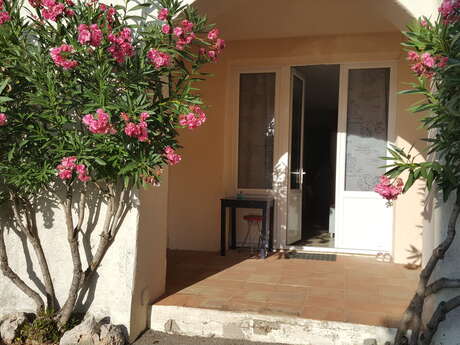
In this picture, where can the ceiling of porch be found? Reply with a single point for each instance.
(259, 19)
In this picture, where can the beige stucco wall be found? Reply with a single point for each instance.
(206, 172)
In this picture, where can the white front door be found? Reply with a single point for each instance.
(294, 230)
(365, 124)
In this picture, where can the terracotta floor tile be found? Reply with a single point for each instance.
(323, 313)
(283, 309)
(351, 289)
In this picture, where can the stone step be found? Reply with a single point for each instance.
(263, 328)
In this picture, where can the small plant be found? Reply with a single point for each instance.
(45, 329)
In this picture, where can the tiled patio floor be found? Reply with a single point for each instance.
(351, 289)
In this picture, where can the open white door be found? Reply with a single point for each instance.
(365, 125)
(294, 223)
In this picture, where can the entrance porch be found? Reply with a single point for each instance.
(351, 289)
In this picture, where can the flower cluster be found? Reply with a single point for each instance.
(99, 125)
(3, 119)
(172, 156)
(121, 46)
(194, 119)
(389, 191)
(4, 15)
(136, 130)
(60, 56)
(450, 11)
(163, 14)
(90, 34)
(110, 12)
(184, 34)
(53, 10)
(425, 63)
(68, 166)
(158, 59)
(217, 46)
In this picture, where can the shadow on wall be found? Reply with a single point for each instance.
(44, 219)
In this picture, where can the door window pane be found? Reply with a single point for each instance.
(256, 130)
(367, 127)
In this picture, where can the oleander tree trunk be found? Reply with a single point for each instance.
(411, 329)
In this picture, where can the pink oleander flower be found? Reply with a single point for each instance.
(137, 130)
(213, 34)
(68, 166)
(425, 64)
(90, 34)
(181, 43)
(166, 29)
(194, 119)
(3, 119)
(96, 35)
(84, 35)
(172, 156)
(82, 172)
(424, 23)
(99, 125)
(121, 46)
(212, 54)
(388, 190)
(412, 56)
(190, 38)
(187, 25)
(178, 31)
(52, 9)
(158, 59)
(442, 61)
(428, 60)
(450, 11)
(60, 56)
(4, 17)
(163, 14)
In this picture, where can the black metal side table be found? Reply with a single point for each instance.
(266, 204)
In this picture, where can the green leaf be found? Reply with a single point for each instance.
(410, 181)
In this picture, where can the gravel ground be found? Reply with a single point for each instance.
(157, 338)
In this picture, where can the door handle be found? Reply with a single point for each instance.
(299, 176)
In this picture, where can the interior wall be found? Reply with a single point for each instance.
(207, 171)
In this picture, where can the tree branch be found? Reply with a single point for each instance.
(106, 237)
(72, 239)
(31, 232)
(439, 315)
(441, 284)
(14, 278)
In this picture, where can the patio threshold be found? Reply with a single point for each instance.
(211, 295)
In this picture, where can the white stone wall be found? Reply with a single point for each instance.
(112, 294)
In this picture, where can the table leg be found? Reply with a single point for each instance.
(271, 227)
(233, 210)
(223, 226)
(263, 251)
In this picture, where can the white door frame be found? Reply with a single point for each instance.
(282, 140)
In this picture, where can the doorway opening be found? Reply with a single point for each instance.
(317, 152)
